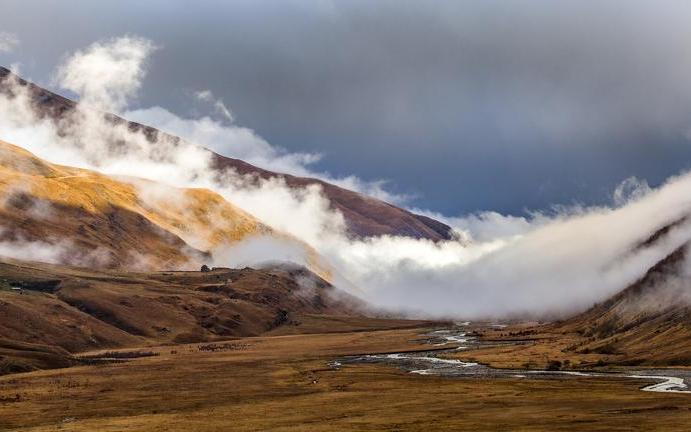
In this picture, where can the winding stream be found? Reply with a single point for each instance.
(429, 363)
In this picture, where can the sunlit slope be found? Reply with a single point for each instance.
(93, 219)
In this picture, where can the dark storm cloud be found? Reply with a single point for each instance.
(472, 105)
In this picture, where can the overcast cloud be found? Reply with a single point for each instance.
(470, 106)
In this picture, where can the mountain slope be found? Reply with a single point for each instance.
(76, 216)
(365, 216)
(49, 311)
(649, 321)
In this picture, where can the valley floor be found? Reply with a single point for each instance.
(285, 383)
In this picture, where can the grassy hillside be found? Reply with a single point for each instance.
(59, 310)
(113, 222)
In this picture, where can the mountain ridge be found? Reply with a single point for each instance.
(365, 216)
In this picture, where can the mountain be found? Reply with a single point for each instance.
(364, 216)
(76, 216)
(649, 321)
(49, 312)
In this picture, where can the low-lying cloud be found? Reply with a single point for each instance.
(106, 74)
(500, 266)
(8, 42)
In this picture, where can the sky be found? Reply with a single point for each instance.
(462, 106)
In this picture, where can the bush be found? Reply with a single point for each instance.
(553, 365)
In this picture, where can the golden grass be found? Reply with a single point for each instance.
(537, 346)
(199, 216)
(534, 351)
(283, 384)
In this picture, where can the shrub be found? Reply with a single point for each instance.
(553, 365)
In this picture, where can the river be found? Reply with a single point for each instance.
(458, 338)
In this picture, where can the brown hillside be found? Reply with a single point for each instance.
(649, 321)
(48, 311)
